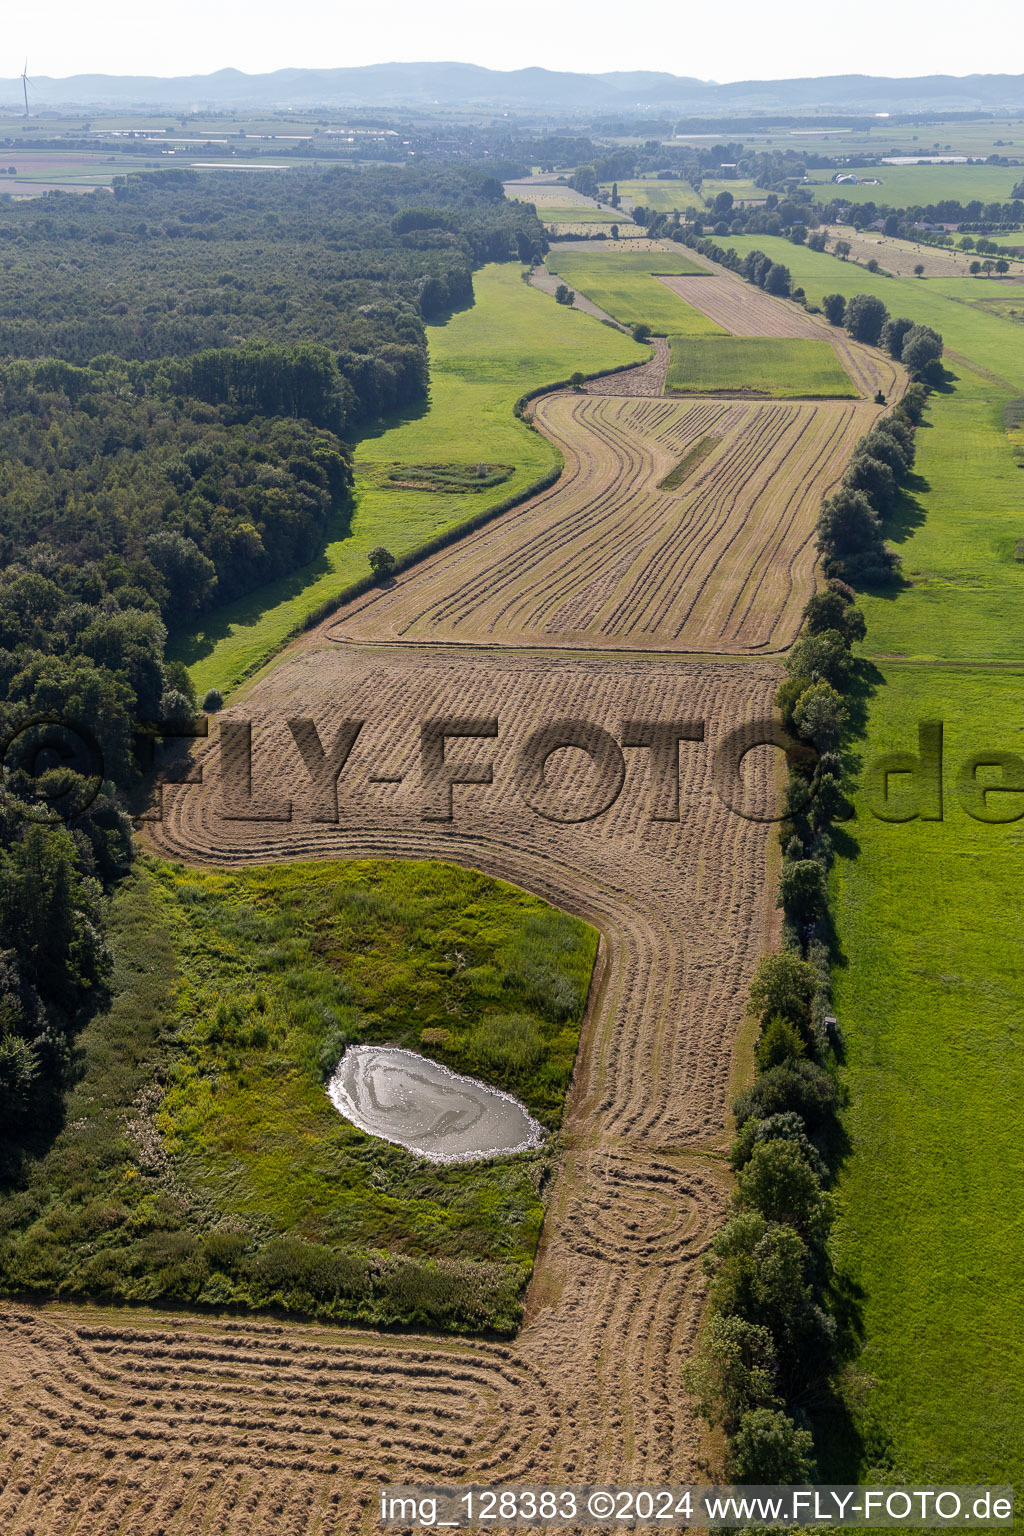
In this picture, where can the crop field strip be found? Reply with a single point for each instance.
(606, 559)
(784, 368)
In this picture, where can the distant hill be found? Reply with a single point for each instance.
(469, 85)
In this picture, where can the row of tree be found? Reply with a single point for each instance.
(851, 524)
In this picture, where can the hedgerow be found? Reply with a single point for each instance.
(772, 1345)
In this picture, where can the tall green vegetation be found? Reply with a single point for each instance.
(176, 365)
(201, 1158)
(778, 1330)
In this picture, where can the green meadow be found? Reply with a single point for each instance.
(741, 190)
(785, 369)
(201, 1158)
(904, 186)
(625, 285)
(927, 915)
(664, 196)
(929, 998)
(512, 340)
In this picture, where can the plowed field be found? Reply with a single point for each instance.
(723, 563)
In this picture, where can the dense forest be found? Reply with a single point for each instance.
(182, 367)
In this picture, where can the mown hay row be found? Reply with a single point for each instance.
(723, 562)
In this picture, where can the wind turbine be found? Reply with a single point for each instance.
(24, 85)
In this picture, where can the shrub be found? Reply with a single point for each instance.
(780, 1042)
(802, 890)
(893, 332)
(825, 610)
(788, 1127)
(224, 1250)
(913, 403)
(921, 347)
(873, 477)
(783, 987)
(213, 700)
(801, 1088)
(768, 1448)
(303, 1273)
(778, 1181)
(834, 307)
(821, 715)
(822, 658)
(865, 317)
(882, 445)
(845, 592)
(564, 294)
(382, 561)
(733, 1371)
(848, 524)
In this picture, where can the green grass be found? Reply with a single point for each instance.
(700, 450)
(929, 999)
(663, 196)
(624, 284)
(928, 992)
(742, 191)
(785, 369)
(202, 1159)
(549, 213)
(904, 186)
(512, 340)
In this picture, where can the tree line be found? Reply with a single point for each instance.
(780, 1327)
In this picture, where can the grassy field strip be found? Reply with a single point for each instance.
(792, 368)
(931, 1004)
(927, 913)
(625, 284)
(905, 185)
(512, 340)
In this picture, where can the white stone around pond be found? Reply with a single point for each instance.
(415, 1103)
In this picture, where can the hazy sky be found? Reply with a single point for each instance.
(745, 39)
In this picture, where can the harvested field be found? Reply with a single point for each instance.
(741, 308)
(648, 380)
(604, 559)
(900, 257)
(254, 1427)
(154, 1423)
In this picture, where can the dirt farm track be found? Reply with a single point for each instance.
(619, 608)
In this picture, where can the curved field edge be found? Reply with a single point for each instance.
(512, 341)
(201, 1161)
